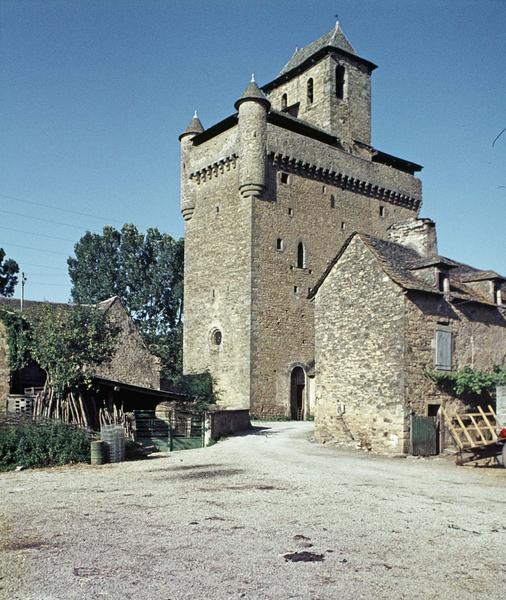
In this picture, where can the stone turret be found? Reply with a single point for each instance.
(188, 191)
(252, 107)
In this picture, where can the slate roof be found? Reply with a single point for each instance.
(334, 38)
(401, 263)
(252, 92)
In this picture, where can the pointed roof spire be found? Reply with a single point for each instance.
(194, 127)
(253, 92)
(334, 38)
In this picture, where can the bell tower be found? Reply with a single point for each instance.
(328, 85)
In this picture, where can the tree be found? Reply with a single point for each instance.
(8, 270)
(67, 342)
(146, 272)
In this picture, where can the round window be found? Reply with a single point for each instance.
(216, 337)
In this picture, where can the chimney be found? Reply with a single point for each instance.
(417, 234)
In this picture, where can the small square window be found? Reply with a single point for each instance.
(284, 177)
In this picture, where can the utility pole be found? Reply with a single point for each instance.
(23, 280)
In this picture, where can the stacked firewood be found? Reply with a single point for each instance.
(80, 407)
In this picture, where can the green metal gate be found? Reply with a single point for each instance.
(423, 437)
(151, 431)
(187, 432)
(182, 432)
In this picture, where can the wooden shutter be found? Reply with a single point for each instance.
(443, 350)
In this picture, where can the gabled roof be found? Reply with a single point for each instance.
(401, 263)
(32, 306)
(333, 42)
(335, 38)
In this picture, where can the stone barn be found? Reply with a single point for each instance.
(385, 311)
(132, 362)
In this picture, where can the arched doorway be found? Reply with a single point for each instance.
(297, 394)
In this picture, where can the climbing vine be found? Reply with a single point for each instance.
(467, 381)
(18, 338)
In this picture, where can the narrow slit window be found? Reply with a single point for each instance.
(279, 244)
(340, 77)
(343, 225)
(332, 201)
(290, 212)
(284, 102)
(310, 95)
(382, 211)
(301, 256)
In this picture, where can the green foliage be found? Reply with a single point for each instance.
(199, 387)
(8, 271)
(467, 381)
(66, 342)
(146, 272)
(18, 338)
(42, 444)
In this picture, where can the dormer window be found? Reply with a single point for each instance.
(497, 293)
(310, 91)
(340, 77)
(443, 282)
(284, 102)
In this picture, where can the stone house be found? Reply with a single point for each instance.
(132, 362)
(269, 195)
(385, 310)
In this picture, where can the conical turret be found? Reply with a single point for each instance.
(254, 93)
(194, 127)
(252, 107)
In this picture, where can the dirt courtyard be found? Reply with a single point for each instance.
(219, 523)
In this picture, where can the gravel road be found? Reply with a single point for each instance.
(218, 523)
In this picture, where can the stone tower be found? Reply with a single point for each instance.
(269, 195)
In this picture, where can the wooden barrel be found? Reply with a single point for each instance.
(97, 452)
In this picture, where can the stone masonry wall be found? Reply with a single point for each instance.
(301, 211)
(479, 340)
(218, 285)
(359, 355)
(132, 362)
(348, 118)
(5, 379)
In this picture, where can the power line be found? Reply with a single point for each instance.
(36, 249)
(11, 212)
(41, 266)
(67, 210)
(72, 212)
(48, 284)
(51, 237)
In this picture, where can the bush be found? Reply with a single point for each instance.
(42, 444)
(199, 387)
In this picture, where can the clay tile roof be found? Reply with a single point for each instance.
(334, 38)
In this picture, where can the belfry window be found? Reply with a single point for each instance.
(284, 102)
(340, 76)
(310, 91)
(301, 256)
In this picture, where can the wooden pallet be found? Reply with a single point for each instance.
(476, 436)
(472, 430)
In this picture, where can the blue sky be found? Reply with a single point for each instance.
(94, 94)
